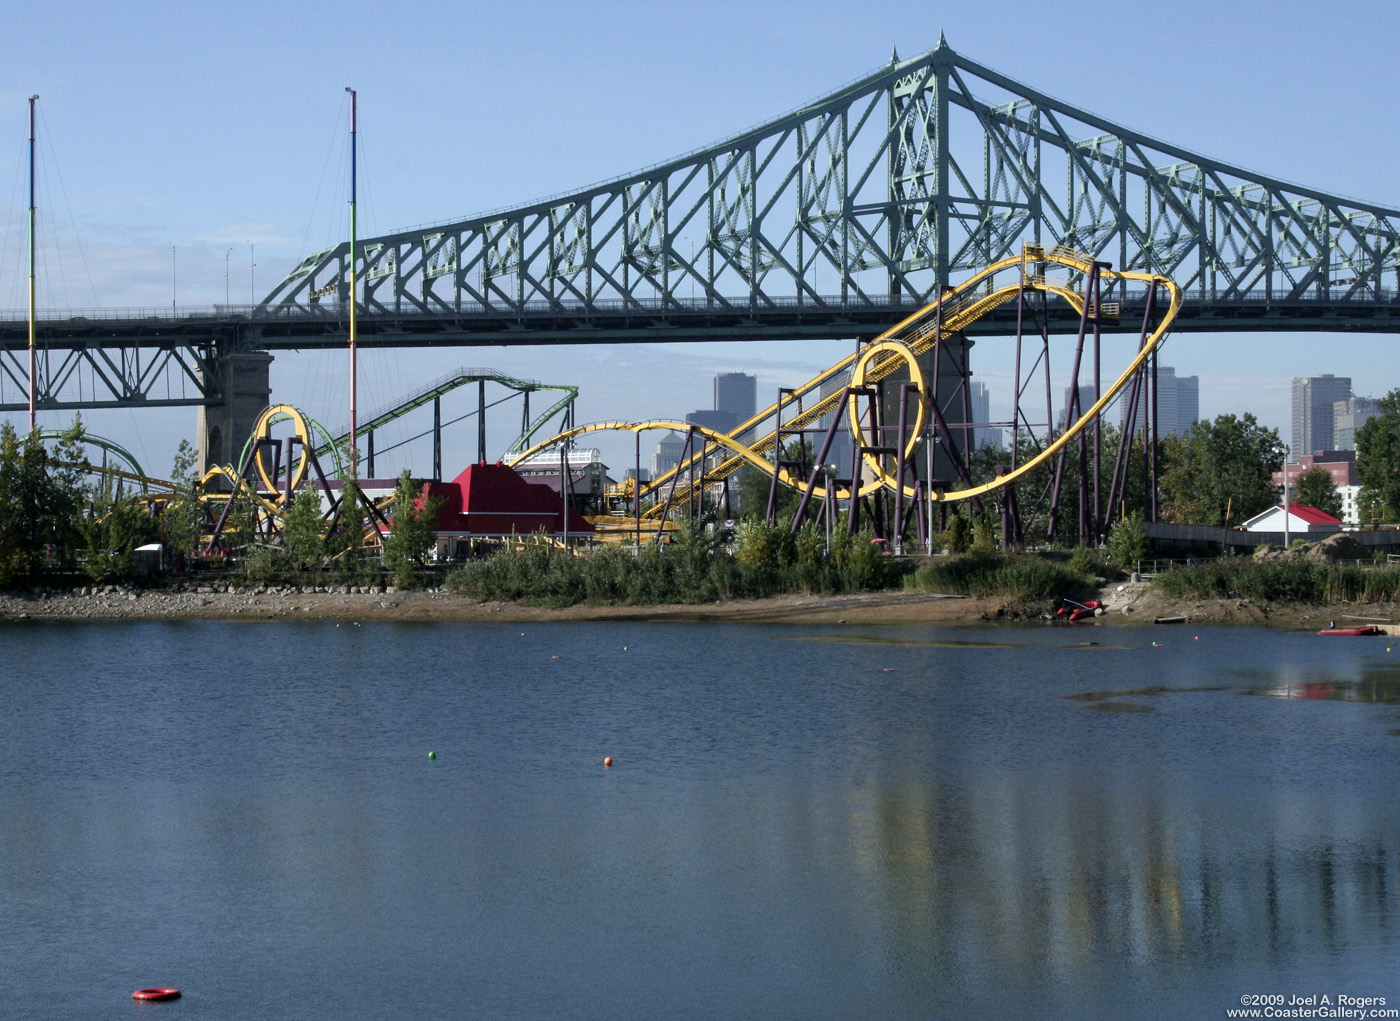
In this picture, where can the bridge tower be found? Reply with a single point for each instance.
(243, 380)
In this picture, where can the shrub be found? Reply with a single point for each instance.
(1017, 576)
(1084, 560)
(1294, 581)
(691, 570)
(1128, 542)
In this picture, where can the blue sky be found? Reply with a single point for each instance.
(220, 131)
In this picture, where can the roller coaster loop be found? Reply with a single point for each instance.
(899, 346)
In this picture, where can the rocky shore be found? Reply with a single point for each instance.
(1125, 604)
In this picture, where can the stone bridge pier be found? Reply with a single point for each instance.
(223, 429)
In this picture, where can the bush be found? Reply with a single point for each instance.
(1084, 561)
(957, 537)
(1295, 581)
(1017, 576)
(1128, 542)
(692, 569)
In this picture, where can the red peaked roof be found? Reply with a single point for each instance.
(492, 499)
(1311, 515)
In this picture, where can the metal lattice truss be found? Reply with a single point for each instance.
(876, 195)
(98, 374)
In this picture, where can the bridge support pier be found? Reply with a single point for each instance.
(244, 380)
(947, 372)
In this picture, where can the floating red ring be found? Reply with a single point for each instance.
(156, 994)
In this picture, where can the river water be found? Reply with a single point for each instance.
(800, 822)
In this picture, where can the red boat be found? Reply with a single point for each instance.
(1078, 611)
(1367, 629)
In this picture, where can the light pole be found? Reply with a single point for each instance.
(172, 278)
(1286, 454)
(252, 288)
(226, 255)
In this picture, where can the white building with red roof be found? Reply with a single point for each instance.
(1302, 520)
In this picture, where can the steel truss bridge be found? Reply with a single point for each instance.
(833, 221)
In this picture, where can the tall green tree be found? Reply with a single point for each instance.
(41, 499)
(303, 544)
(1221, 472)
(118, 524)
(1378, 461)
(413, 532)
(1316, 488)
(183, 520)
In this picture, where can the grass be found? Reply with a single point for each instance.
(1296, 582)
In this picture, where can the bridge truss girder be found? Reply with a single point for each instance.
(877, 194)
(77, 374)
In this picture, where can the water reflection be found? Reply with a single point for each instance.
(1049, 887)
(1378, 684)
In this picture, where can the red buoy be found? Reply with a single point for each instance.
(156, 994)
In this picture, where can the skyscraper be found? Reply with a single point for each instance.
(668, 453)
(1348, 416)
(737, 393)
(1086, 401)
(981, 401)
(1178, 404)
(736, 397)
(1314, 399)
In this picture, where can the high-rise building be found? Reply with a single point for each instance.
(737, 393)
(1086, 401)
(736, 398)
(719, 421)
(1314, 399)
(980, 398)
(1348, 416)
(668, 453)
(1178, 404)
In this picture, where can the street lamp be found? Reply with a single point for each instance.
(252, 288)
(172, 278)
(226, 255)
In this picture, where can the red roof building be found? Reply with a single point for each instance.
(492, 500)
(1302, 519)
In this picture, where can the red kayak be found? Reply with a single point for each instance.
(1368, 629)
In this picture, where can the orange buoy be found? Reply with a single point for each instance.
(156, 994)
(608, 762)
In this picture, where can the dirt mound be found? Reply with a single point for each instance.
(1337, 548)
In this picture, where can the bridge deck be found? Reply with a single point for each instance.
(681, 320)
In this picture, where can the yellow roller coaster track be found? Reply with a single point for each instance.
(920, 333)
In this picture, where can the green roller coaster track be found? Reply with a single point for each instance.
(446, 385)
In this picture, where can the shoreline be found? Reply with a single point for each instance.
(1126, 605)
